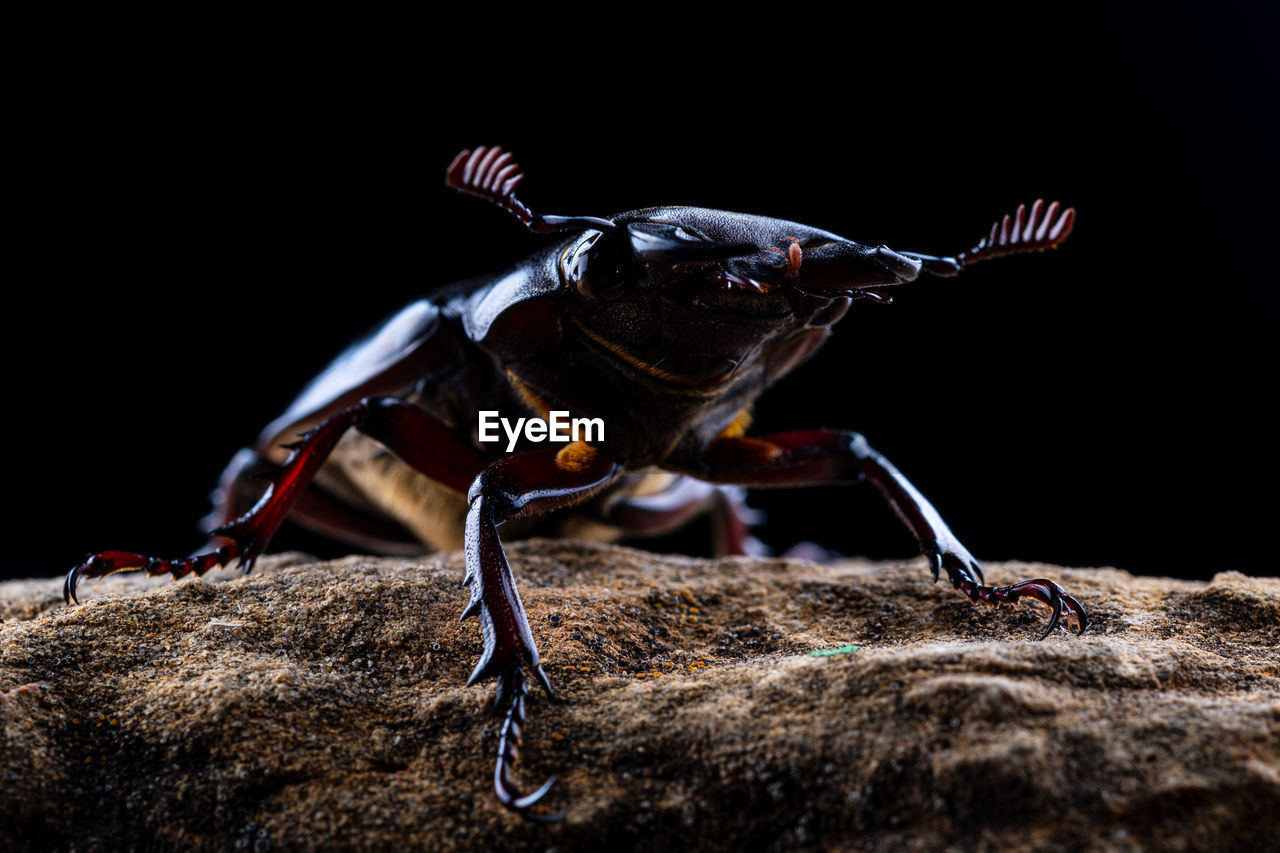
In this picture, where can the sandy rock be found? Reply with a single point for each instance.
(314, 705)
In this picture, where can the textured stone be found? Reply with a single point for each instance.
(322, 704)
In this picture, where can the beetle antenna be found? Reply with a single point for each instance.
(492, 174)
(1037, 230)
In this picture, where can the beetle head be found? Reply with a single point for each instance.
(729, 260)
(711, 257)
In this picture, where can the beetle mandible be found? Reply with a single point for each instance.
(666, 324)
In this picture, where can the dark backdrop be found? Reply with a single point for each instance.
(194, 245)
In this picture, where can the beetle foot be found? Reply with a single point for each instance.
(512, 691)
(244, 533)
(1046, 592)
(109, 562)
(966, 575)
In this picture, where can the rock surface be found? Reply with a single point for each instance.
(317, 705)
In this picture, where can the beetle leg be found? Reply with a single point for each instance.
(412, 434)
(832, 456)
(731, 521)
(511, 687)
(109, 562)
(685, 499)
(526, 484)
(240, 486)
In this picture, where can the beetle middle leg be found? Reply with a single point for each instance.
(685, 499)
(832, 456)
(240, 487)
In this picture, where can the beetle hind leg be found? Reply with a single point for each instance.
(248, 536)
(109, 562)
(683, 499)
(414, 435)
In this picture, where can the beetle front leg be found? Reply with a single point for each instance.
(409, 432)
(528, 484)
(833, 456)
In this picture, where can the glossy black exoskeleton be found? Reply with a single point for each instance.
(666, 324)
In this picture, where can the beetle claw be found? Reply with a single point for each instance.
(523, 805)
(935, 565)
(69, 585)
(512, 691)
(962, 569)
(97, 566)
(966, 575)
(1053, 620)
(546, 684)
(1052, 595)
(1048, 593)
(109, 562)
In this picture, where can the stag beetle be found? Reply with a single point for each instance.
(666, 324)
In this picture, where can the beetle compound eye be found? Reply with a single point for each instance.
(592, 271)
(606, 282)
(573, 263)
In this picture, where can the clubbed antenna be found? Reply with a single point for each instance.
(1026, 232)
(492, 174)
(1036, 230)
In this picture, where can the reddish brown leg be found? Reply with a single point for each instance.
(412, 434)
(528, 484)
(685, 500)
(240, 486)
(731, 521)
(833, 456)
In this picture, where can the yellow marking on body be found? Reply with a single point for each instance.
(532, 400)
(755, 449)
(576, 457)
(738, 428)
(641, 364)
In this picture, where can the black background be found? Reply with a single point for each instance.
(195, 242)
